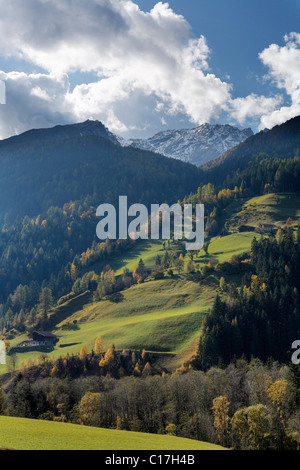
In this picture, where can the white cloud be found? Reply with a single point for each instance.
(253, 106)
(148, 68)
(283, 65)
(133, 52)
(284, 71)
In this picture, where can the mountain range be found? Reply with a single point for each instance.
(196, 146)
(50, 167)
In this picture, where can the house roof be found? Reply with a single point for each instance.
(46, 334)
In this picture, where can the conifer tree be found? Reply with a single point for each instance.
(99, 349)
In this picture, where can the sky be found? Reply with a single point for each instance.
(144, 66)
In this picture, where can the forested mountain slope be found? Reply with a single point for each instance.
(281, 142)
(50, 167)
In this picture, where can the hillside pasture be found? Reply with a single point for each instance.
(29, 434)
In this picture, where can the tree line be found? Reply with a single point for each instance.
(246, 405)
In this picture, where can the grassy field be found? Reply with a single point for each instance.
(28, 434)
(163, 316)
(270, 208)
(224, 248)
(148, 250)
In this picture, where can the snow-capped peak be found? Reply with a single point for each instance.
(196, 146)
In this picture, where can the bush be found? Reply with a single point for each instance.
(171, 430)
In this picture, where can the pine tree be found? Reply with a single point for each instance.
(46, 301)
(147, 370)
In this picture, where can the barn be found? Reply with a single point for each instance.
(246, 228)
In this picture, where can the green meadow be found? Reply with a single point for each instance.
(222, 249)
(162, 316)
(148, 250)
(29, 434)
(269, 208)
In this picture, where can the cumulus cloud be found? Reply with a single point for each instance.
(145, 67)
(131, 51)
(253, 106)
(283, 64)
(284, 72)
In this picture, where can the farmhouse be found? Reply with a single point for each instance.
(41, 338)
(37, 340)
(263, 227)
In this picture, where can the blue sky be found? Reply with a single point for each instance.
(237, 31)
(143, 66)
